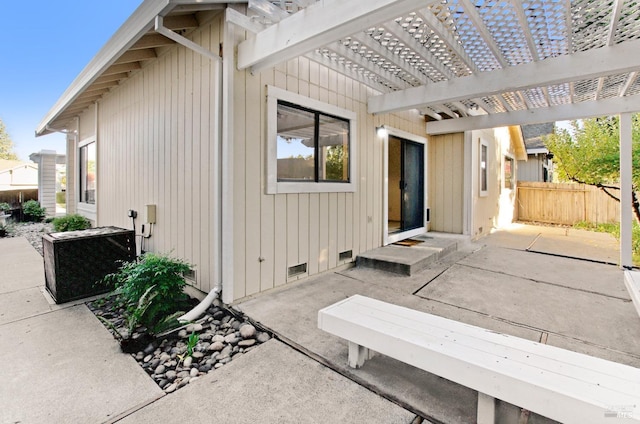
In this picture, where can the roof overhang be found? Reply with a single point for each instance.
(133, 44)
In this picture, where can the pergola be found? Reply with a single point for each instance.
(464, 64)
(469, 64)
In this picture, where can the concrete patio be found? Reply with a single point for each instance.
(62, 365)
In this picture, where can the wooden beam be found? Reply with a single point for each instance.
(608, 60)
(478, 23)
(181, 22)
(348, 72)
(370, 43)
(613, 24)
(612, 106)
(268, 10)
(112, 77)
(122, 67)
(355, 58)
(627, 84)
(524, 24)
(101, 86)
(136, 56)
(447, 37)
(317, 25)
(151, 41)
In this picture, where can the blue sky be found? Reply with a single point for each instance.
(44, 45)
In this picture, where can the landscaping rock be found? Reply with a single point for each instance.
(247, 331)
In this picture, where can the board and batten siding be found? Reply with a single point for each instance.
(156, 144)
(446, 183)
(276, 231)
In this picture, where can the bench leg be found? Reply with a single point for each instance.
(486, 409)
(357, 355)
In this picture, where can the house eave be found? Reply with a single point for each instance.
(135, 27)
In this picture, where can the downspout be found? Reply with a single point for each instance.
(200, 309)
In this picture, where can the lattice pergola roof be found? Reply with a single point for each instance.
(466, 63)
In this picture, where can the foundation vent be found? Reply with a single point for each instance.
(297, 270)
(190, 275)
(346, 255)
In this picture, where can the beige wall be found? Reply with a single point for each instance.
(497, 207)
(446, 182)
(156, 144)
(274, 232)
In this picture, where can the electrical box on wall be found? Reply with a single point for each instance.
(151, 214)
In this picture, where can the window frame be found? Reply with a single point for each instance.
(274, 186)
(88, 206)
(483, 192)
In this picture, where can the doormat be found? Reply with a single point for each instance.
(408, 242)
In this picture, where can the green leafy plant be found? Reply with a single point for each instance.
(5, 207)
(33, 211)
(71, 223)
(151, 289)
(4, 230)
(192, 342)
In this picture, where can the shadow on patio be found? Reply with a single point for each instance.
(511, 282)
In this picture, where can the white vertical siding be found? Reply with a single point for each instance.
(275, 232)
(157, 145)
(446, 182)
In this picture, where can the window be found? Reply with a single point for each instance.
(311, 145)
(484, 167)
(88, 173)
(508, 172)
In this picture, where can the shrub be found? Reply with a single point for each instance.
(33, 211)
(4, 230)
(4, 207)
(151, 289)
(71, 223)
(61, 198)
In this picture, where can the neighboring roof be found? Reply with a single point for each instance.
(9, 164)
(22, 176)
(464, 64)
(534, 134)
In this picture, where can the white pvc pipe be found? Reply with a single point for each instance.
(201, 307)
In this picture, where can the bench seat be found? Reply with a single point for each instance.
(556, 383)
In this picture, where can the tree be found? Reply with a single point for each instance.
(6, 145)
(590, 154)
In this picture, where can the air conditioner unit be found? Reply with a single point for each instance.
(75, 262)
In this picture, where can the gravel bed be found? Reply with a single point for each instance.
(223, 334)
(222, 337)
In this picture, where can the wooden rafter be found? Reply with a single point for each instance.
(397, 31)
(122, 67)
(627, 84)
(446, 36)
(615, 18)
(475, 17)
(341, 50)
(315, 26)
(524, 24)
(136, 56)
(268, 10)
(151, 41)
(382, 51)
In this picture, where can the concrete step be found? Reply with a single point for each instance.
(407, 260)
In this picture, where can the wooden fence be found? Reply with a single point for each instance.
(565, 203)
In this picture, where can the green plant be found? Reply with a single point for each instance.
(33, 211)
(4, 231)
(61, 197)
(71, 223)
(192, 342)
(151, 289)
(4, 207)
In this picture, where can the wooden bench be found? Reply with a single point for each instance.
(556, 383)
